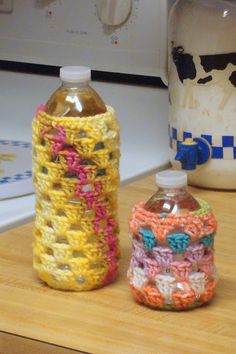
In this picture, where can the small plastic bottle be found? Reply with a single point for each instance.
(172, 196)
(76, 175)
(172, 264)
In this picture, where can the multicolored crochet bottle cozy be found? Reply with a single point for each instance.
(172, 265)
(75, 165)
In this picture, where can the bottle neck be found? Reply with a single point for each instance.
(172, 191)
(74, 85)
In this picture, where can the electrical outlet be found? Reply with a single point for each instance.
(6, 5)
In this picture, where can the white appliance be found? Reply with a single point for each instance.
(125, 36)
(111, 36)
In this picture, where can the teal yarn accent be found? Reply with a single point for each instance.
(178, 242)
(149, 239)
(208, 240)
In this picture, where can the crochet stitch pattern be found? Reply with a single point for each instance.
(172, 264)
(76, 174)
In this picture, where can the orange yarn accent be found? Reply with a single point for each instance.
(184, 298)
(210, 290)
(138, 295)
(152, 296)
(210, 223)
(194, 225)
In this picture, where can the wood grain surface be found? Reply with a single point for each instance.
(108, 321)
(12, 344)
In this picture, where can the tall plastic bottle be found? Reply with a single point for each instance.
(75, 97)
(172, 264)
(76, 174)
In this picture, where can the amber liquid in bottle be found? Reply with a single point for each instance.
(172, 201)
(75, 100)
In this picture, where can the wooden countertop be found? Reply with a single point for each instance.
(36, 319)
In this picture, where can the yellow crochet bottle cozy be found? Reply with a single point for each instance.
(75, 167)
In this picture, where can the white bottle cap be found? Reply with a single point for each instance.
(75, 73)
(171, 179)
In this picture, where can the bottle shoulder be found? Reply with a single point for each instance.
(75, 102)
(172, 202)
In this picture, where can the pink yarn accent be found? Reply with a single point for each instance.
(134, 262)
(206, 264)
(137, 244)
(112, 273)
(111, 240)
(139, 253)
(40, 108)
(209, 252)
(89, 196)
(112, 245)
(112, 253)
(151, 268)
(59, 140)
(82, 174)
(100, 212)
(83, 180)
(56, 148)
(101, 215)
(195, 252)
(73, 160)
(74, 163)
(60, 137)
(181, 270)
(109, 228)
(43, 132)
(163, 256)
(98, 187)
(82, 171)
